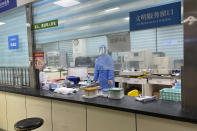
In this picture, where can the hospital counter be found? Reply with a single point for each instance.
(147, 83)
(74, 113)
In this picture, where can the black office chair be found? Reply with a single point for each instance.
(28, 124)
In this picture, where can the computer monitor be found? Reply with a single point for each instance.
(81, 72)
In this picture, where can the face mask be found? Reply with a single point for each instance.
(102, 51)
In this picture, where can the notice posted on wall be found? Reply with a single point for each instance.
(13, 42)
(39, 60)
(119, 42)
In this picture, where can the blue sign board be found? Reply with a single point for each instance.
(7, 5)
(13, 42)
(164, 15)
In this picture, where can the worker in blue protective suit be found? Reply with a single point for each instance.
(104, 69)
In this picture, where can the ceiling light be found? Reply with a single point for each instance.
(2, 23)
(112, 9)
(84, 27)
(127, 18)
(66, 3)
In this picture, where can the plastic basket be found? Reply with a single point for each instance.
(170, 94)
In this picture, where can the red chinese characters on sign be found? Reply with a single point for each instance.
(39, 60)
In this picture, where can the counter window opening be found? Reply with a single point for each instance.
(83, 27)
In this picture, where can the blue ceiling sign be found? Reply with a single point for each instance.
(7, 5)
(164, 15)
(13, 42)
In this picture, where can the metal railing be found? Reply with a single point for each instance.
(14, 76)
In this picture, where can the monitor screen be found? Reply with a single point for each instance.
(81, 72)
(136, 54)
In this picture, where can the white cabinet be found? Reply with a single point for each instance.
(147, 123)
(16, 109)
(39, 107)
(3, 112)
(101, 119)
(68, 116)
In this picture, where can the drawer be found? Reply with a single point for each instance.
(118, 79)
(136, 81)
(160, 81)
(121, 79)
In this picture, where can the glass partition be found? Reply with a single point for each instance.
(14, 60)
(86, 24)
(13, 23)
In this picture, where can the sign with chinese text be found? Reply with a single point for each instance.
(39, 60)
(119, 42)
(13, 42)
(44, 25)
(164, 15)
(7, 5)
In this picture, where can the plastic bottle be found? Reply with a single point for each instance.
(89, 80)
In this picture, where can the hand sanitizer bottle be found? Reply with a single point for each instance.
(89, 80)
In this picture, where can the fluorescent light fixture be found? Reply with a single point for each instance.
(112, 9)
(127, 18)
(2, 23)
(66, 3)
(84, 27)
